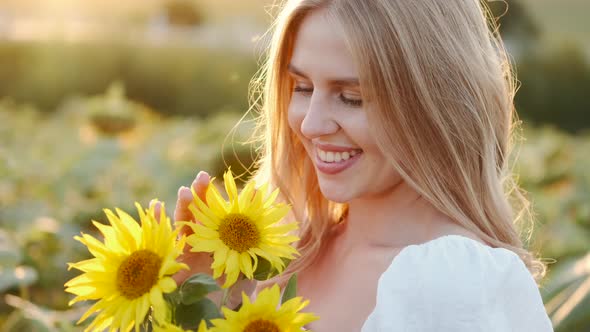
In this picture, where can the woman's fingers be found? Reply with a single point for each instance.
(200, 185)
(181, 212)
(185, 197)
(157, 208)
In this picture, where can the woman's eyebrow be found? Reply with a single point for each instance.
(294, 70)
(347, 81)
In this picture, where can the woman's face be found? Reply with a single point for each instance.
(330, 117)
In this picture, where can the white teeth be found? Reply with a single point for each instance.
(331, 156)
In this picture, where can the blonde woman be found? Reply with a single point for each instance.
(387, 125)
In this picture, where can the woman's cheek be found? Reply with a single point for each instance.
(295, 116)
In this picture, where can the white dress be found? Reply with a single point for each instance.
(456, 284)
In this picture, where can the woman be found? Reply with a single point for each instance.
(387, 124)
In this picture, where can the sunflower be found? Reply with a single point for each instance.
(130, 271)
(240, 230)
(265, 314)
(167, 327)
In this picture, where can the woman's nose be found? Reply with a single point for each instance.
(318, 120)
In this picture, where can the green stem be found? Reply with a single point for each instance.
(225, 297)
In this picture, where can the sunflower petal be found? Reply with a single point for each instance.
(246, 196)
(266, 306)
(246, 265)
(271, 198)
(167, 284)
(216, 202)
(100, 280)
(275, 214)
(207, 217)
(230, 187)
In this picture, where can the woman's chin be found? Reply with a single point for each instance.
(337, 194)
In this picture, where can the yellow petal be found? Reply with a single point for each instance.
(246, 265)
(141, 309)
(271, 198)
(283, 229)
(202, 327)
(130, 224)
(274, 215)
(96, 248)
(203, 245)
(127, 314)
(230, 186)
(167, 284)
(100, 305)
(204, 232)
(220, 256)
(231, 277)
(216, 202)
(158, 303)
(207, 218)
(123, 234)
(246, 197)
(92, 264)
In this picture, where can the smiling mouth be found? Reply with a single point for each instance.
(337, 156)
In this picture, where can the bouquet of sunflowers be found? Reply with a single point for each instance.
(130, 274)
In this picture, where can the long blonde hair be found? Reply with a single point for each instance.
(443, 85)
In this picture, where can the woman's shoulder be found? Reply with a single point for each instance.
(455, 265)
(456, 255)
(455, 282)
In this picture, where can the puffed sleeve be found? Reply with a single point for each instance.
(457, 284)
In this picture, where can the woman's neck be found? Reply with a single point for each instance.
(397, 218)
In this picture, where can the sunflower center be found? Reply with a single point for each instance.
(238, 232)
(138, 273)
(261, 325)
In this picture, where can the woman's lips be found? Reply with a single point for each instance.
(336, 167)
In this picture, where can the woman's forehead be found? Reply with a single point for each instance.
(320, 49)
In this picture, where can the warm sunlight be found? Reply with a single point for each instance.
(176, 104)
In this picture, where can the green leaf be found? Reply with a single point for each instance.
(197, 287)
(291, 289)
(173, 298)
(262, 270)
(265, 271)
(17, 276)
(189, 316)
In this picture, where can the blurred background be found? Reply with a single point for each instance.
(105, 102)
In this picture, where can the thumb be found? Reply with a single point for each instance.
(158, 208)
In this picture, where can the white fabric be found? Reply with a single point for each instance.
(456, 284)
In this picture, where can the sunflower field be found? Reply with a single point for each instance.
(133, 114)
(59, 170)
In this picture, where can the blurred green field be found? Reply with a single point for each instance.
(58, 170)
(90, 124)
(559, 20)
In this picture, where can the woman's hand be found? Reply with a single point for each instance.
(200, 262)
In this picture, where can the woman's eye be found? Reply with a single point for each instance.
(348, 101)
(351, 102)
(302, 89)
